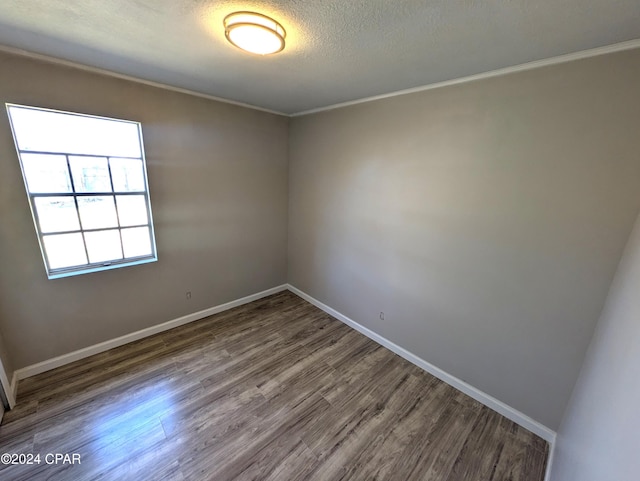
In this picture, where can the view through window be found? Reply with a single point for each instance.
(86, 181)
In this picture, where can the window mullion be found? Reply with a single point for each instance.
(36, 217)
(85, 194)
(47, 152)
(35, 212)
(115, 203)
(75, 201)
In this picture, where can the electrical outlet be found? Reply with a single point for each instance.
(382, 316)
(188, 295)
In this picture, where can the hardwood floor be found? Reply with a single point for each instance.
(273, 390)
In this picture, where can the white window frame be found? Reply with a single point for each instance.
(54, 273)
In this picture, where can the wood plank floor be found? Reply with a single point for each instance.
(273, 390)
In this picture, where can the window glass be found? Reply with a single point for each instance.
(90, 174)
(97, 212)
(127, 174)
(65, 250)
(46, 173)
(132, 210)
(41, 130)
(136, 241)
(103, 245)
(57, 214)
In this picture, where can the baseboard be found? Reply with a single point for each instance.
(507, 411)
(14, 387)
(55, 362)
(489, 401)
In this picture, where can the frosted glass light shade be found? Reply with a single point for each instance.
(254, 32)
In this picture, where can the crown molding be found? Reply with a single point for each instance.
(594, 52)
(617, 47)
(109, 73)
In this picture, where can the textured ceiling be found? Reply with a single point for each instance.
(336, 50)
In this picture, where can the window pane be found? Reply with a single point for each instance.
(90, 174)
(127, 175)
(103, 246)
(64, 250)
(132, 210)
(136, 242)
(57, 214)
(48, 131)
(46, 173)
(97, 212)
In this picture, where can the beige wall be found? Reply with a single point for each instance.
(485, 219)
(598, 439)
(218, 185)
(7, 362)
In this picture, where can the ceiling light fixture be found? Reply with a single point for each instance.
(254, 32)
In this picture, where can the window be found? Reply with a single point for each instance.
(86, 180)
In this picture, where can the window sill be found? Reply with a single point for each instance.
(89, 270)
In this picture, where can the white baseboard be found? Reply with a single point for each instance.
(14, 388)
(489, 401)
(507, 411)
(55, 362)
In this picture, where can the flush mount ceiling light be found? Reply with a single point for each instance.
(254, 32)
